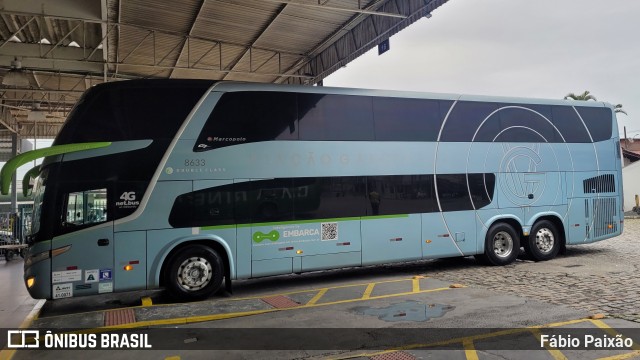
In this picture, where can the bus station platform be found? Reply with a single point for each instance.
(15, 303)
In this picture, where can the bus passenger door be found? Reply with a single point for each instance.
(82, 252)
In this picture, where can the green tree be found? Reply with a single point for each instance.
(586, 96)
(618, 108)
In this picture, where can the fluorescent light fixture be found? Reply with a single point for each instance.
(44, 41)
(16, 78)
(73, 44)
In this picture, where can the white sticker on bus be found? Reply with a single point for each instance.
(62, 291)
(105, 287)
(66, 276)
(91, 276)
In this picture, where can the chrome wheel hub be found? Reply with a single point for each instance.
(194, 273)
(545, 240)
(502, 244)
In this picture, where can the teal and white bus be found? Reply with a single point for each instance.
(189, 184)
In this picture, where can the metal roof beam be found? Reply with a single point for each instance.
(235, 62)
(366, 11)
(147, 28)
(75, 8)
(185, 45)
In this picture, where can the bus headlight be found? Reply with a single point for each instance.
(31, 280)
(36, 258)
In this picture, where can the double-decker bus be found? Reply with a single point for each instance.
(189, 184)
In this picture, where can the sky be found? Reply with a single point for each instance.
(521, 48)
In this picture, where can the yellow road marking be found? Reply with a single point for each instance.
(250, 297)
(555, 353)
(146, 301)
(368, 291)
(472, 338)
(609, 330)
(172, 358)
(318, 296)
(7, 354)
(214, 317)
(622, 356)
(415, 284)
(469, 350)
(314, 290)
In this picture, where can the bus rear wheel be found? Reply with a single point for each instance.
(194, 273)
(543, 243)
(502, 245)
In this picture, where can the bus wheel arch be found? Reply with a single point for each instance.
(502, 243)
(546, 239)
(206, 257)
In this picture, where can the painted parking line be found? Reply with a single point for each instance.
(313, 302)
(467, 343)
(262, 304)
(7, 354)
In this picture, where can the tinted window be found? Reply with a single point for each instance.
(519, 123)
(133, 110)
(464, 119)
(481, 187)
(207, 207)
(244, 117)
(398, 119)
(331, 197)
(335, 117)
(328, 197)
(598, 121)
(401, 194)
(453, 193)
(569, 124)
(265, 200)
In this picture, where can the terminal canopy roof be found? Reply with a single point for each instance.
(53, 50)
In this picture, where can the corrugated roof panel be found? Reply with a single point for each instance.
(230, 22)
(169, 15)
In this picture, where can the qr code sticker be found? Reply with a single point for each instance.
(330, 231)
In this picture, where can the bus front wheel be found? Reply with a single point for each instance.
(194, 273)
(502, 245)
(543, 243)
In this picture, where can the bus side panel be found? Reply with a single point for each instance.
(437, 242)
(130, 249)
(391, 239)
(576, 222)
(606, 154)
(462, 229)
(243, 252)
(288, 240)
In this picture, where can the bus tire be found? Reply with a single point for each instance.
(543, 242)
(502, 245)
(194, 273)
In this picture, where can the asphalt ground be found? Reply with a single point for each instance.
(401, 311)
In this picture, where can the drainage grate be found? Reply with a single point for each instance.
(119, 317)
(396, 355)
(280, 302)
